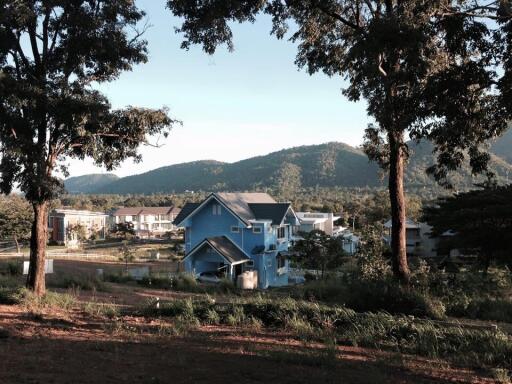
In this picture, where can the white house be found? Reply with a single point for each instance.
(325, 222)
(147, 221)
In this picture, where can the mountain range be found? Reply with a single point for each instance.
(326, 165)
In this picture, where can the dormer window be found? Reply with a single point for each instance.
(216, 209)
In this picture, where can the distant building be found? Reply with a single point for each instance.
(147, 221)
(62, 221)
(310, 221)
(418, 238)
(231, 233)
(349, 241)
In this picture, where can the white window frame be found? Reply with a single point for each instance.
(235, 229)
(217, 210)
(257, 230)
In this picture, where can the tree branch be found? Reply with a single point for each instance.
(338, 17)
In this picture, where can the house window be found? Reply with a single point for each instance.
(216, 209)
(281, 261)
(256, 230)
(235, 229)
(249, 264)
(281, 232)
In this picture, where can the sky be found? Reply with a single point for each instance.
(232, 105)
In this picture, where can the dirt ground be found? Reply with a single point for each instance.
(61, 347)
(73, 347)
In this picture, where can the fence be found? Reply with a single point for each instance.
(64, 255)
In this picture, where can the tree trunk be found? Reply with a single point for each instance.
(18, 249)
(398, 207)
(36, 275)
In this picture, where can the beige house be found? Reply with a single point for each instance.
(147, 221)
(64, 225)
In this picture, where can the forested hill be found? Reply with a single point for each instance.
(89, 183)
(326, 165)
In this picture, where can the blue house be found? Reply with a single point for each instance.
(236, 232)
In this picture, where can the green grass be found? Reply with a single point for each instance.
(470, 347)
(84, 282)
(33, 303)
(108, 310)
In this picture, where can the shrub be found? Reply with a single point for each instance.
(9, 296)
(109, 310)
(378, 330)
(186, 282)
(85, 282)
(14, 268)
(119, 278)
(156, 282)
(236, 317)
(374, 296)
(34, 303)
(489, 309)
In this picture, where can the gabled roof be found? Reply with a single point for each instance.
(187, 209)
(246, 207)
(274, 211)
(134, 211)
(239, 203)
(224, 247)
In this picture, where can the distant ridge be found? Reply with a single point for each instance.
(89, 183)
(326, 165)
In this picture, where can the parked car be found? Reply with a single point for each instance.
(208, 277)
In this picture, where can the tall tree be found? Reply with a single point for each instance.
(426, 68)
(53, 55)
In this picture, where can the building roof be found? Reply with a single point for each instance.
(187, 209)
(224, 247)
(316, 217)
(75, 212)
(239, 203)
(270, 211)
(135, 211)
(246, 206)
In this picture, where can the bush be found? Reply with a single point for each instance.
(119, 278)
(485, 309)
(14, 268)
(156, 282)
(9, 296)
(34, 303)
(109, 310)
(378, 330)
(374, 296)
(186, 282)
(85, 282)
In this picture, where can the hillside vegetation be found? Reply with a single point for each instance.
(326, 165)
